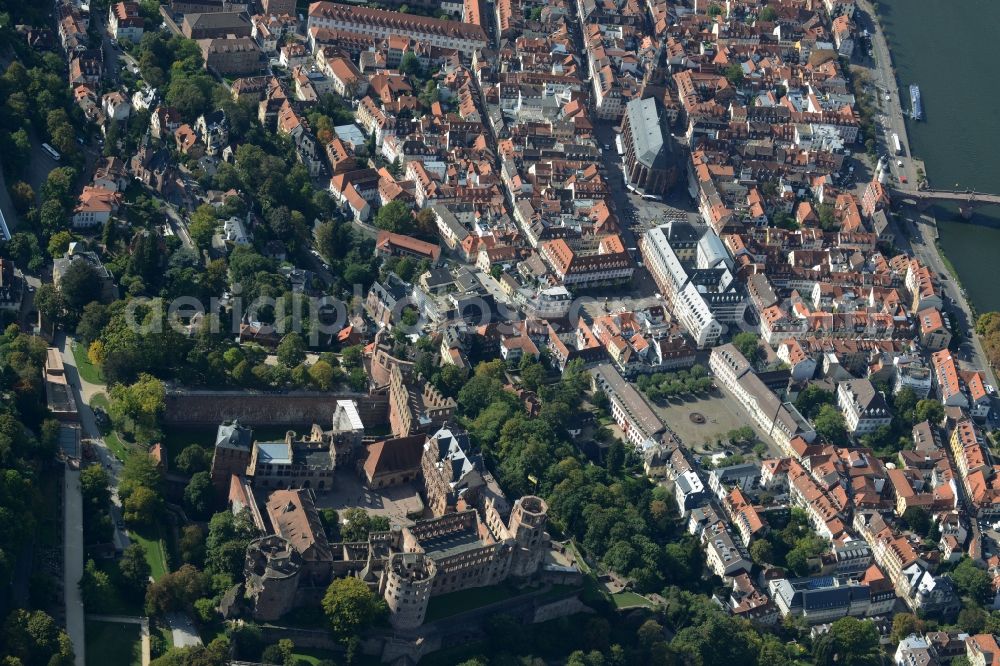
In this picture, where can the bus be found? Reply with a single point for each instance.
(53, 153)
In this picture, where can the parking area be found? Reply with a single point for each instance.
(400, 503)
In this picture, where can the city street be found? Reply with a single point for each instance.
(178, 225)
(891, 120)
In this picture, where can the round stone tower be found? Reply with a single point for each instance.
(527, 527)
(407, 589)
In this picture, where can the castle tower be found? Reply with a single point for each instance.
(233, 446)
(272, 576)
(407, 588)
(527, 527)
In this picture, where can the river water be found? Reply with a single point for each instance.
(947, 48)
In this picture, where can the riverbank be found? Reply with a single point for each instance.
(959, 105)
(959, 113)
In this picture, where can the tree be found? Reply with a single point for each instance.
(748, 343)
(849, 642)
(95, 587)
(52, 215)
(734, 73)
(533, 375)
(767, 14)
(24, 250)
(291, 350)
(202, 226)
(138, 472)
(134, 568)
(279, 653)
(351, 607)
(918, 519)
(192, 545)
(928, 410)
(59, 243)
(717, 639)
(450, 379)
(199, 493)
(426, 222)
(32, 638)
(827, 217)
(358, 524)
(177, 590)
(615, 457)
(142, 506)
(331, 524)
(187, 95)
(50, 304)
(193, 459)
(322, 374)
(812, 398)
(394, 217)
(80, 285)
(829, 424)
(904, 624)
(742, 434)
(972, 620)
(59, 186)
(972, 581)
(410, 65)
(95, 487)
(762, 552)
(92, 322)
(138, 406)
(23, 196)
(904, 403)
(226, 545)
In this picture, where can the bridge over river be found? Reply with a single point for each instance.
(968, 200)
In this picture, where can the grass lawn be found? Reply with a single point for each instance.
(151, 541)
(312, 657)
(578, 556)
(558, 592)
(465, 600)
(456, 655)
(592, 590)
(113, 643)
(90, 372)
(631, 600)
